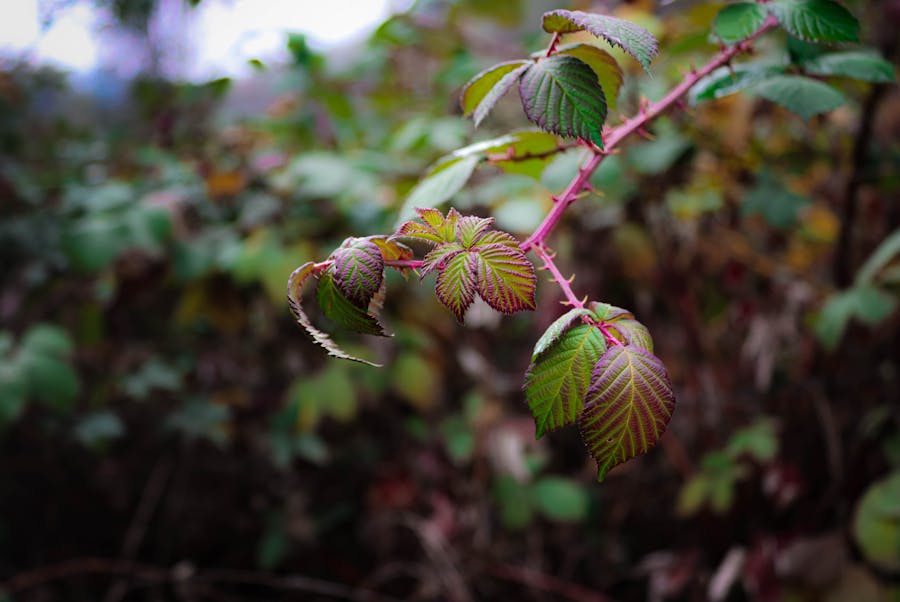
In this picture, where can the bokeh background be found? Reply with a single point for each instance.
(167, 432)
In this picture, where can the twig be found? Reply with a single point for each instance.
(153, 574)
(138, 528)
(547, 583)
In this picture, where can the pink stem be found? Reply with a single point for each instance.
(404, 263)
(630, 126)
(541, 251)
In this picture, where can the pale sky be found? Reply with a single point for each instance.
(224, 34)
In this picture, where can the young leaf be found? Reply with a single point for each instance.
(816, 20)
(470, 228)
(436, 229)
(856, 64)
(633, 39)
(339, 308)
(391, 248)
(622, 325)
(444, 180)
(627, 407)
(505, 278)
(484, 90)
(455, 286)
(735, 22)
(294, 292)
(560, 372)
(561, 94)
(358, 270)
(609, 74)
(801, 95)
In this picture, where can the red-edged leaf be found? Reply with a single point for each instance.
(471, 227)
(627, 407)
(419, 231)
(456, 284)
(633, 39)
(623, 326)
(294, 295)
(506, 278)
(437, 258)
(496, 237)
(358, 270)
(391, 248)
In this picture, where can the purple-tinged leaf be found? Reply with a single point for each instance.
(438, 257)
(419, 231)
(336, 306)
(470, 228)
(561, 94)
(294, 294)
(496, 237)
(622, 325)
(633, 39)
(358, 270)
(560, 372)
(627, 407)
(506, 278)
(456, 284)
(484, 90)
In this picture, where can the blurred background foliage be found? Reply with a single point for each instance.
(158, 407)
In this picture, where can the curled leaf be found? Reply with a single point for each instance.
(633, 39)
(294, 294)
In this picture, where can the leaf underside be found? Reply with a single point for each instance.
(627, 408)
(856, 64)
(633, 39)
(561, 94)
(816, 20)
(294, 292)
(484, 90)
(337, 307)
(801, 95)
(609, 74)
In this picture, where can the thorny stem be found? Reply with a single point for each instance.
(564, 283)
(553, 43)
(404, 263)
(635, 125)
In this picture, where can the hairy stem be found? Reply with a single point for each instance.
(564, 283)
(614, 136)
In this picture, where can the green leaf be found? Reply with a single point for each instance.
(759, 441)
(561, 94)
(526, 152)
(505, 277)
(515, 501)
(627, 407)
(342, 310)
(561, 500)
(633, 39)
(471, 228)
(886, 251)
(816, 20)
(804, 96)
(876, 524)
(50, 379)
(456, 284)
(736, 22)
(778, 205)
(444, 180)
(560, 372)
(294, 293)
(725, 81)
(609, 74)
(857, 64)
(484, 90)
(358, 270)
(47, 339)
(864, 302)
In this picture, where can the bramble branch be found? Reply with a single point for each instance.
(636, 124)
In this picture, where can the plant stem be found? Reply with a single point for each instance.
(564, 283)
(404, 263)
(614, 136)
